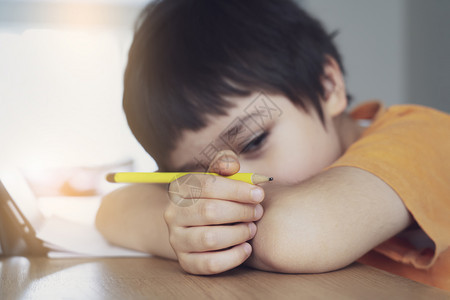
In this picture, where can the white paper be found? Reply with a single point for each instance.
(78, 240)
(64, 224)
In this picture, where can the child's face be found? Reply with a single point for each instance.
(272, 137)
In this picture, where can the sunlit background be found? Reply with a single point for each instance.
(62, 62)
(61, 68)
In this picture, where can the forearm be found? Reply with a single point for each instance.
(326, 222)
(132, 217)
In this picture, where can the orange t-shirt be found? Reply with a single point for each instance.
(408, 147)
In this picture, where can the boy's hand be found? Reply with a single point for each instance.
(210, 236)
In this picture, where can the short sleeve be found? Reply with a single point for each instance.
(408, 147)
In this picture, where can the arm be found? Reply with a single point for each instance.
(207, 237)
(326, 222)
(133, 217)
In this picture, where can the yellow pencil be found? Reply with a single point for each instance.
(167, 177)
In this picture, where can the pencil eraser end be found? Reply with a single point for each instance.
(110, 177)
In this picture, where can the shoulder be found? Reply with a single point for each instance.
(410, 118)
(408, 148)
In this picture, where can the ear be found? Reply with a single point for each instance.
(335, 96)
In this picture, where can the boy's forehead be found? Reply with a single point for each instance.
(247, 117)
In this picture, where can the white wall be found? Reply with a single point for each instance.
(428, 48)
(396, 50)
(371, 40)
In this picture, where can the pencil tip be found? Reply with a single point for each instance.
(270, 178)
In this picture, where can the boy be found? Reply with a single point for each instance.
(257, 86)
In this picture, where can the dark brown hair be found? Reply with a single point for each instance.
(188, 55)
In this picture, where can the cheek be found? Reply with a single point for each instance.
(288, 163)
(289, 168)
(294, 167)
(298, 157)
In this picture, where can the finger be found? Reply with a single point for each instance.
(209, 238)
(215, 212)
(196, 186)
(225, 163)
(207, 263)
(217, 187)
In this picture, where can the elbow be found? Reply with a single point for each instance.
(283, 258)
(281, 245)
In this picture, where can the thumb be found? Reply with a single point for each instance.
(225, 163)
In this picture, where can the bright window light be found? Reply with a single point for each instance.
(60, 99)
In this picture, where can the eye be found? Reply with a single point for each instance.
(256, 143)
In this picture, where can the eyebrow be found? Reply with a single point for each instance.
(193, 165)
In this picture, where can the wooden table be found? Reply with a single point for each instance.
(154, 278)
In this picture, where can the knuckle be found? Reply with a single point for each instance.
(237, 191)
(208, 239)
(169, 215)
(248, 213)
(174, 237)
(211, 266)
(240, 191)
(209, 211)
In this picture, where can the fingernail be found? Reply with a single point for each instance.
(227, 158)
(247, 248)
(257, 194)
(252, 229)
(258, 211)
